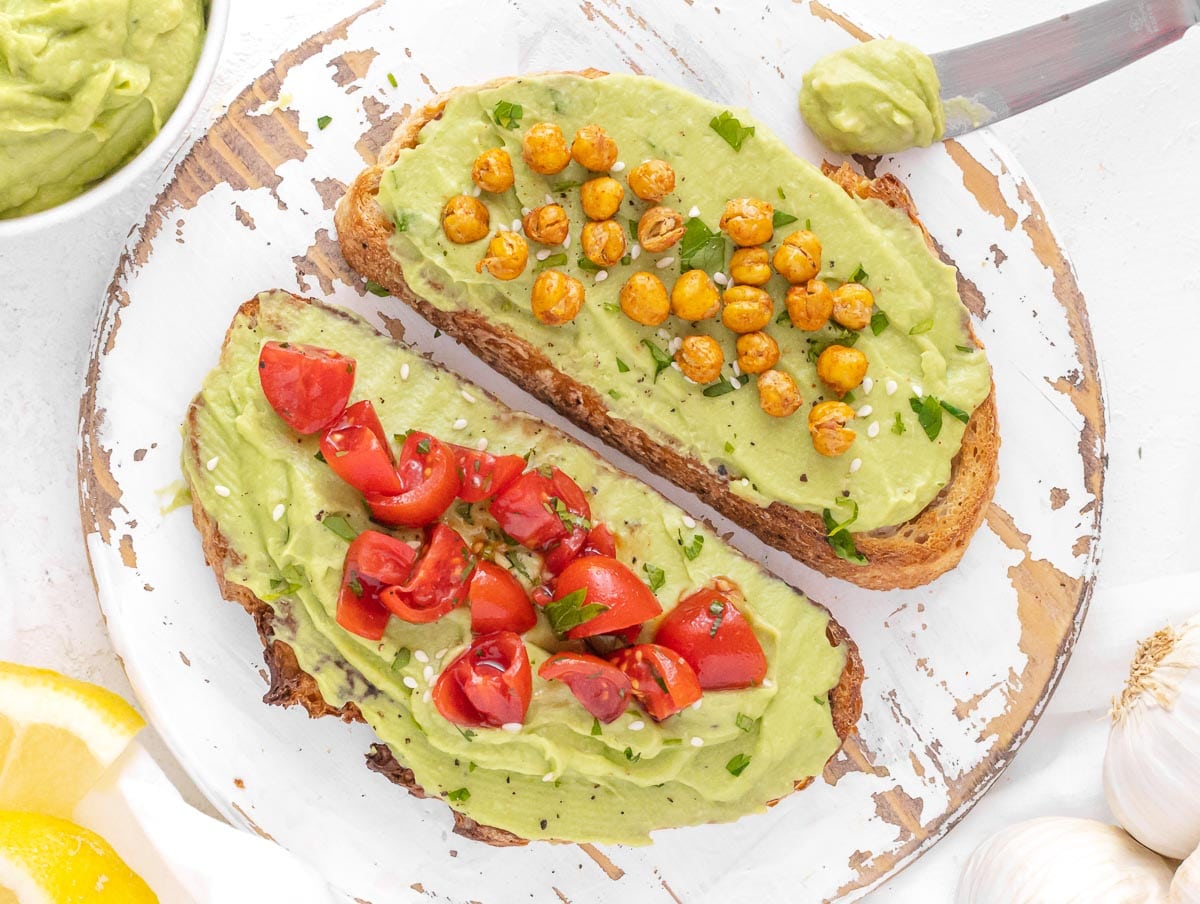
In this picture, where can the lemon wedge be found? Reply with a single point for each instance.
(57, 736)
(45, 860)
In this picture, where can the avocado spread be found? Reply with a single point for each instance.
(922, 346)
(877, 97)
(84, 86)
(561, 775)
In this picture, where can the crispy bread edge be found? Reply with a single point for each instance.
(292, 686)
(904, 556)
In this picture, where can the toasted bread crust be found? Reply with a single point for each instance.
(291, 686)
(907, 555)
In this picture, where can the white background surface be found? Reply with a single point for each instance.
(1114, 166)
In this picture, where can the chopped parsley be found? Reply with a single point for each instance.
(782, 219)
(423, 446)
(728, 448)
(923, 327)
(564, 186)
(464, 511)
(820, 701)
(323, 121)
(898, 427)
(467, 733)
(779, 191)
(730, 129)
(631, 756)
(554, 260)
(571, 611)
(717, 610)
(570, 520)
(595, 727)
(725, 385)
(356, 587)
(402, 221)
(954, 411)
(745, 723)
(402, 658)
(860, 275)
(458, 796)
(738, 764)
(280, 587)
(622, 367)
(661, 359)
(839, 536)
(879, 322)
(633, 227)
(657, 577)
(375, 289)
(588, 266)
(701, 248)
(507, 115)
(966, 349)
(691, 550)
(818, 344)
(340, 526)
(929, 414)
(392, 80)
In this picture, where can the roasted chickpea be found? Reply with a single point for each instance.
(748, 221)
(601, 197)
(557, 298)
(493, 171)
(842, 368)
(464, 219)
(660, 228)
(809, 306)
(507, 254)
(594, 149)
(747, 309)
(778, 394)
(545, 149)
(852, 303)
(756, 352)
(652, 180)
(827, 424)
(644, 299)
(695, 296)
(750, 267)
(798, 257)
(547, 225)
(700, 358)
(603, 242)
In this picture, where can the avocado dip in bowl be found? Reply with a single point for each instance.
(92, 93)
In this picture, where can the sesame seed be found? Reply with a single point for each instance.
(865, 411)
(664, 263)
(720, 278)
(675, 345)
(663, 335)
(221, 490)
(460, 424)
(440, 653)
(694, 212)
(637, 725)
(567, 241)
(601, 275)
(916, 388)
(855, 465)
(890, 387)
(470, 398)
(476, 191)
(873, 430)
(278, 512)
(482, 443)
(675, 364)
(517, 226)
(868, 385)
(420, 656)
(403, 371)
(524, 211)
(697, 742)
(427, 674)
(549, 199)
(635, 252)
(737, 369)
(618, 166)
(549, 777)
(213, 462)
(767, 682)
(745, 481)
(543, 254)
(689, 522)
(513, 727)
(410, 682)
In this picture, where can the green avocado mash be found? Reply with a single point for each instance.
(557, 777)
(876, 97)
(84, 86)
(924, 349)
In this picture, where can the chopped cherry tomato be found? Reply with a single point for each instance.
(374, 561)
(537, 511)
(602, 688)
(489, 684)
(607, 582)
(709, 632)
(662, 680)
(429, 480)
(307, 386)
(600, 542)
(597, 542)
(484, 475)
(356, 449)
(438, 581)
(498, 601)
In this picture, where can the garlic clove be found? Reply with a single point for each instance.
(1185, 887)
(1063, 860)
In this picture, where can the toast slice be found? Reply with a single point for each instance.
(290, 685)
(901, 556)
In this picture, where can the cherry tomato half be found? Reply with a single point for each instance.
(498, 601)
(490, 683)
(356, 450)
(662, 680)
(484, 475)
(708, 631)
(609, 583)
(602, 688)
(307, 386)
(600, 542)
(438, 581)
(429, 476)
(538, 510)
(596, 542)
(374, 561)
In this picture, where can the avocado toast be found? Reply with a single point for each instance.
(896, 508)
(276, 521)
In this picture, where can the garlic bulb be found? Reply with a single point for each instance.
(1063, 860)
(1185, 887)
(1152, 764)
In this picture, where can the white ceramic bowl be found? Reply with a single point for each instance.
(173, 132)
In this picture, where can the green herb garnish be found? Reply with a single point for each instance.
(923, 327)
(402, 658)
(392, 81)
(701, 248)
(779, 191)
(954, 411)
(554, 260)
(340, 526)
(588, 266)
(859, 275)
(723, 386)
(898, 427)
(691, 550)
(507, 115)
(595, 727)
(965, 348)
(423, 446)
(622, 367)
(323, 121)
(661, 359)
(402, 221)
(657, 576)
(820, 343)
(839, 536)
(730, 129)
(464, 511)
(879, 322)
(375, 289)
(717, 610)
(782, 219)
(571, 611)
(745, 722)
(631, 756)
(738, 764)
(728, 448)
(564, 186)
(929, 414)
(458, 796)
